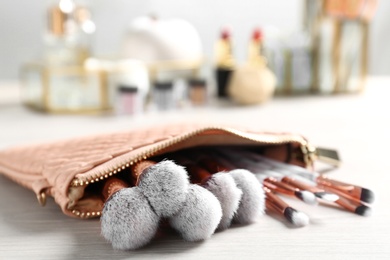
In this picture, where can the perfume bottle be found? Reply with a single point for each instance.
(68, 36)
(224, 62)
(67, 46)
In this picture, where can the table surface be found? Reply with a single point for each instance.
(357, 125)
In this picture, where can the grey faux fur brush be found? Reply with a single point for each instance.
(128, 221)
(252, 202)
(165, 185)
(131, 216)
(224, 188)
(199, 216)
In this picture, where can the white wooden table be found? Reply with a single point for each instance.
(358, 125)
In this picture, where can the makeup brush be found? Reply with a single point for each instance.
(295, 217)
(319, 193)
(127, 220)
(349, 204)
(199, 216)
(164, 184)
(281, 187)
(191, 210)
(253, 197)
(355, 191)
(222, 185)
(130, 216)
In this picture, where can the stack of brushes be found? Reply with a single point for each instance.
(199, 191)
(291, 180)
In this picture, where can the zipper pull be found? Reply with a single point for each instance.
(328, 156)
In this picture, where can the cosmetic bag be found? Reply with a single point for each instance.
(72, 171)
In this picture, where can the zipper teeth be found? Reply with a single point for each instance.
(270, 140)
(88, 214)
(276, 140)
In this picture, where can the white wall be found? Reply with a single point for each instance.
(22, 24)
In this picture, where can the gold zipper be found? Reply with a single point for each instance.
(307, 150)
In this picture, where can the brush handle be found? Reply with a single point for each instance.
(339, 185)
(212, 165)
(277, 189)
(196, 172)
(300, 185)
(111, 186)
(347, 196)
(283, 185)
(279, 204)
(200, 175)
(138, 168)
(205, 160)
(336, 184)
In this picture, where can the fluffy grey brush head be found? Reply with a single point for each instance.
(165, 185)
(127, 220)
(252, 202)
(199, 215)
(224, 188)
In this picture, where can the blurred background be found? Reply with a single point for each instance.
(132, 56)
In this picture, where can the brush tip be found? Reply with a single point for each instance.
(307, 197)
(363, 210)
(326, 196)
(295, 217)
(223, 187)
(127, 220)
(252, 202)
(199, 216)
(165, 185)
(367, 196)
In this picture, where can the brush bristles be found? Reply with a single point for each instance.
(363, 210)
(327, 196)
(128, 221)
(224, 188)
(199, 216)
(165, 185)
(367, 196)
(252, 202)
(307, 197)
(297, 218)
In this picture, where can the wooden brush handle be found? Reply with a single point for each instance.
(279, 204)
(111, 186)
(197, 173)
(138, 168)
(300, 185)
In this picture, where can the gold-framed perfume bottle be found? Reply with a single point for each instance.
(59, 81)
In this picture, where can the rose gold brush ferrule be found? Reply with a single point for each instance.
(138, 168)
(354, 191)
(196, 172)
(285, 186)
(275, 188)
(271, 206)
(346, 204)
(349, 203)
(111, 186)
(300, 185)
(278, 203)
(352, 199)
